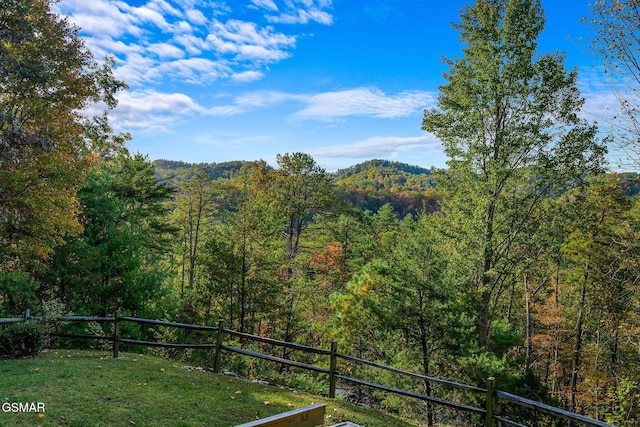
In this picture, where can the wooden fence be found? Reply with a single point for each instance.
(492, 395)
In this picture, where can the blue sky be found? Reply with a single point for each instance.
(342, 80)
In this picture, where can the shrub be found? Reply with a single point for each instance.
(20, 340)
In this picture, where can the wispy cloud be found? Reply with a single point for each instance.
(335, 105)
(296, 11)
(378, 146)
(599, 93)
(364, 102)
(152, 111)
(245, 41)
(168, 36)
(266, 4)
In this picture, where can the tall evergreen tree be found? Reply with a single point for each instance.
(508, 121)
(113, 263)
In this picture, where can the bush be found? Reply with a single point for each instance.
(20, 340)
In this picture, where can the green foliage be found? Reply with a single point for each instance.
(372, 184)
(625, 395)
(509, 124)
(84, 328)
(178, 171)
(256, 369)
(47, 78)
(20, 339)
(504, 337)
(112, 264)
(378, 163)
(18, 292)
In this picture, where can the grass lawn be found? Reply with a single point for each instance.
(90, 389)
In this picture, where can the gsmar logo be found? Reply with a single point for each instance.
(23, 407)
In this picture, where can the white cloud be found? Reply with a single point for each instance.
(166, 51)
(145, 15)
(266, 4)
(378, 146)
(100, 18)
(138, 69)
(248, 42)
(189, 32)
(165, 7)
(192, 44)
(329, 106)
(101, 47)
(195, 70)
(152, 111)
(303, 17)
(247, 76)
(302, 12)
(601, 93)
(196, 17)
(252, 101)
(364, 102)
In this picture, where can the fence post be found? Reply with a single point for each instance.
(491, 400)
(116, 334)
(332, 370)
(216, 361)
(27, 315)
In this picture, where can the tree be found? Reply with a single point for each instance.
(47, 77)
(508, 122)
(242, 254)
(617, 42)
(601, 250)
(399, 308)
(113, 263)
(300, 189)
(193, 209)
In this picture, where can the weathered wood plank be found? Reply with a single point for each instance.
(551, 410)
(171, 324)
(411, 374)
(436, 400)
(12, 320)
(276, 359)
(163, 344)
(279, 343)
(309, 416)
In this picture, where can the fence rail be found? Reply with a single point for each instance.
(492, 395)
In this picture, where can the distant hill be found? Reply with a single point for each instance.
(373, 183)
(385, 165)
(182, 170)
(629, 182)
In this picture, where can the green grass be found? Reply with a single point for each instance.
(91, 389)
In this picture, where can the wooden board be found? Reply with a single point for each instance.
(309, 416)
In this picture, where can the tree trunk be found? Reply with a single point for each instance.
(425, 368)
(487, 265)
(527, 309)
(577, 349)
(243, 280)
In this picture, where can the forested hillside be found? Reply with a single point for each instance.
(177, 171)
(518, 260)
(366, 186)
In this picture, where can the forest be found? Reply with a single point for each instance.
(519, 260)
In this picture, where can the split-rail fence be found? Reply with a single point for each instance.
(492, 395)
